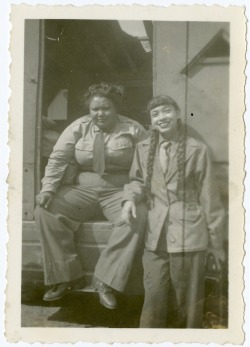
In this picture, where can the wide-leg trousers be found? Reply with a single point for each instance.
(73, 205)
(184, 272)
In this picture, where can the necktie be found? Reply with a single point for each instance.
(164, 156)
(99, 153)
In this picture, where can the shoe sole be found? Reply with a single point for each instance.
(108, 307)
(102, 303)
(57, 298)
(54, 299)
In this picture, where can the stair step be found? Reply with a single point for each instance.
(91, 239)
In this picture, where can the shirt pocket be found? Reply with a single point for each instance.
(120, 144)
(84, 152)
(82, 145)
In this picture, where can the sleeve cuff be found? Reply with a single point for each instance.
(48, 188)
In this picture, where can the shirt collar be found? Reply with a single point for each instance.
(173, 141)
(107, 131)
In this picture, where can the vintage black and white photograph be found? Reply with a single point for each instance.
(126, 169)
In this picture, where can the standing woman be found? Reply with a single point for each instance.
(173, 173)
(101, 146)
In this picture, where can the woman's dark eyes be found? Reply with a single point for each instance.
(154, 115)
(98, 109)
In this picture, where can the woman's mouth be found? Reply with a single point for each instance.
(101, 119)
(165, 125)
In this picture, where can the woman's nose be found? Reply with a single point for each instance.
(162, 115)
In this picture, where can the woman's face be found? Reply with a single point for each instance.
(164, 119)
(103, 112)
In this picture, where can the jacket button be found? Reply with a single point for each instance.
(172, 240)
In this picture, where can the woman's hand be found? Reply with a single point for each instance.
(219, 257)
(43, 199)
(129, 211)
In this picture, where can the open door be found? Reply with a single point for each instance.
(62, 59)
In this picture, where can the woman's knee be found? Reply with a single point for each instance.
(43, 215)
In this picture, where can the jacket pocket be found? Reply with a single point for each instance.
(191, 213)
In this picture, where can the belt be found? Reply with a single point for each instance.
(110, 172)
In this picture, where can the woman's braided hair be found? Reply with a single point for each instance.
(150, 161)
(154, 136)
(181, 157)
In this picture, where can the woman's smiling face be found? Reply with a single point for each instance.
(164, 119)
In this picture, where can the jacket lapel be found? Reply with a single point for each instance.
(191, 147)
(158, 179)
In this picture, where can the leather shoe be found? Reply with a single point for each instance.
(106, 295)
(56, 292)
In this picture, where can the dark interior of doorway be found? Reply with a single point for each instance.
(79, 53)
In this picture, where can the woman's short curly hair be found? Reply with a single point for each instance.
(108, 90)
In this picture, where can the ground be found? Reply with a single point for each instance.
(82, 309)
(79, 309)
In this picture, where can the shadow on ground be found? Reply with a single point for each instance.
(81, 309)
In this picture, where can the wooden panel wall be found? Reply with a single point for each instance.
(203, 98)
(91, 239)
(169, 58)
(31, 65)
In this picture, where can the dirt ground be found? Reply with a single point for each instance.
(80, 309)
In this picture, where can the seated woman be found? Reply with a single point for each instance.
(102, 145)
(173, 173)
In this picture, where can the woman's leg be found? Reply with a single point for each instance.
(115, 263)
(56, 225)
(195, 300)
(157, 285)
(187, 274)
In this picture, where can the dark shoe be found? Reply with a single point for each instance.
(57, 292)
(106, 295)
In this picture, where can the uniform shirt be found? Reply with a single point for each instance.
(76, 142)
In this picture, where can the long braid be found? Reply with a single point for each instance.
(150, 161)
(181, 150)
(181, 160)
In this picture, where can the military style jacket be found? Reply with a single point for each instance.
(192, 219)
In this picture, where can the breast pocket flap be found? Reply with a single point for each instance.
(191, 215)
(84, 146)
(120, 144)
